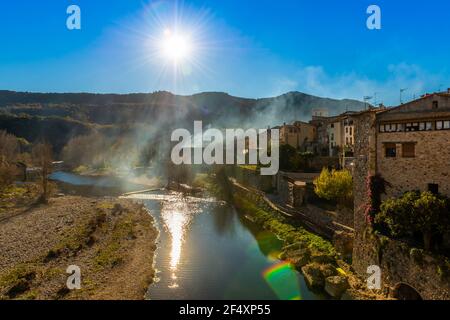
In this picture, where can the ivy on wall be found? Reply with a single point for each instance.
(376, 186)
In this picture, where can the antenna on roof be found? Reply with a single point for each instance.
(401, 93)
(366, 99)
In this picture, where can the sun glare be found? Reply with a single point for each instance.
(176, 47)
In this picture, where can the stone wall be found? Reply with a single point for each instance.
(364, 164)
(318, 163)
(253, 178)
(431, 163)
(399, 263)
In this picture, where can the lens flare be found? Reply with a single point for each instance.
(282, 279)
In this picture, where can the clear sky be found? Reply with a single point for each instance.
(248, 48)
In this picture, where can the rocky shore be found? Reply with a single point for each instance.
(111, 240)
(313, 256)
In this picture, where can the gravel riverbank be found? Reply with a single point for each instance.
(111, 240)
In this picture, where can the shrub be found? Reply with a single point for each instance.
(335, 185)
(421, 213)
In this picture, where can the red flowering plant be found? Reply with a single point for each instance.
(376, 186)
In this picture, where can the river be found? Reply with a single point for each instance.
(206, 249)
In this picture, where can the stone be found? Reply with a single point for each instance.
(335, 286)
(343, 243)
(350, 294)
(328, 270)
(322, 258)
(313, 276)
(300, 258)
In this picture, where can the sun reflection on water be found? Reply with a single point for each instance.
(176, 215)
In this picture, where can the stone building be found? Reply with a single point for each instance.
(340, 130)
(409, 146)
(322, 143)
(297, 134)
(413, 145)
(320, 112)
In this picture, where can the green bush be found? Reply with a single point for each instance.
(336, 185)
(415, 213)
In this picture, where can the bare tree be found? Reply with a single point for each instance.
(42, 156)
(9, 151)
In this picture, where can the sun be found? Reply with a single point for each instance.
(176, 47)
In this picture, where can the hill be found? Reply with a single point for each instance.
(57, 117)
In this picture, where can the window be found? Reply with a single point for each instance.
(346, 129)
(346, 140)
(392, 127)
(425, 126)
(390, 150)
(381, 127)
(422, 126)
(400, 127)
(412, 126)
(351, 130)
(332, 125)
(435, 104)
(408, 150)
(433, 188)
(332, 136)
(443, 125)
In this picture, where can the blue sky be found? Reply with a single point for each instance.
(247, 48)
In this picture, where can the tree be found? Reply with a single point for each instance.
(414, 212)
(9, 152)
(287, 157)
(336, 185)
(42, 156)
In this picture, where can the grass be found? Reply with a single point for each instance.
(13, 191)
(16, 281)
(252, 167)
(111, 254)
(78, 237)
(282, 228)
(81, 169)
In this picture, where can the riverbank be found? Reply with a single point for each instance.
(111, 240)
(312, 255)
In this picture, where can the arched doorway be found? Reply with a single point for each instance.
(403, 291)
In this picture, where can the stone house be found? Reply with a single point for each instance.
(297, 134)
(322, 142)
(409, 145)
(341, 133)
(413, 145)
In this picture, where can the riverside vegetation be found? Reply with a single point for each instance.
(312, 255)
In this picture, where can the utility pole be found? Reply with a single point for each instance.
(401, 93)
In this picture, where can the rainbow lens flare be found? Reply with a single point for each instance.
(282, 278)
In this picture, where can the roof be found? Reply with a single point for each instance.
(421, 108)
